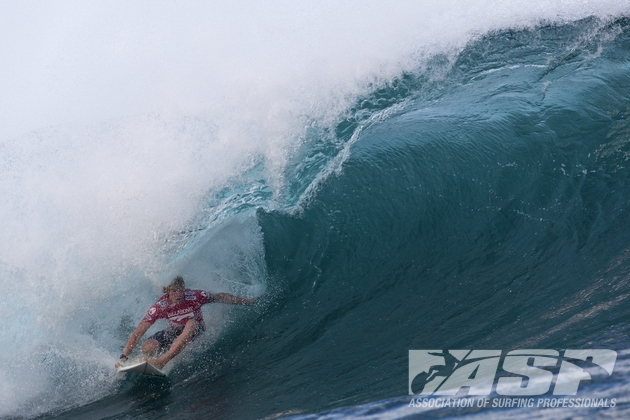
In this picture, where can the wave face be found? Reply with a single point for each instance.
(381, 193)
(488, 211)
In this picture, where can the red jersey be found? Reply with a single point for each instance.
(178, 315)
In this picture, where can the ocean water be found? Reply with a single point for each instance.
(384, 176)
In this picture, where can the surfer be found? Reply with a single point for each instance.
(182, 308)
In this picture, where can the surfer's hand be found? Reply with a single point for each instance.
(249, 301)
(120, 362)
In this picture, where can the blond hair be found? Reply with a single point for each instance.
(177, 283)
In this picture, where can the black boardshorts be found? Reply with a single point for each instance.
(166, 337)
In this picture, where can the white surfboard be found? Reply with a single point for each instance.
(142, 367)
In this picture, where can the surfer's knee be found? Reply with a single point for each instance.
(150, 347)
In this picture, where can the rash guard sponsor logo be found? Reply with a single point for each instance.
(180, 318)
(179, 314)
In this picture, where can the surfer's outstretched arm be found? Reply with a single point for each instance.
(134, 338)
(234, 300)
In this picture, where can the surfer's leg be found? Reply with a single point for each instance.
(158, 343)
(178, 345)
(150, 347)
